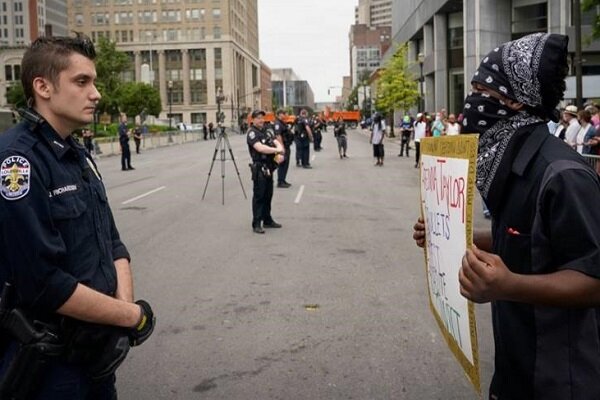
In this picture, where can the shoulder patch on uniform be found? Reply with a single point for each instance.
(15, 172)
(251, 135)
(276, 126)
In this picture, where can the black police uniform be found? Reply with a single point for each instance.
(56, 230)
(281, 129)
(262, 177)
(302, 142)
(125, 151)
(317, 136)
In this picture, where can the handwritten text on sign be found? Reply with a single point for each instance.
(443, 190)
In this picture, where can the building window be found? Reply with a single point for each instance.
(218, 68)
(100, 18)
(171, 16)
(147, 16)
(123, 17)
(8, 75)
(217, 32)
(198, 118)
(99, 2)
(18, 6)
(78, 19)
(590, 17)
(123, 2)
(529, 19)
(216, 13)
(198, 84)
(254, 76)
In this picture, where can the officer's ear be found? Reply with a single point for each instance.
(41, 87)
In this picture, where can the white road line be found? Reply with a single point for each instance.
(299, 195)
(141, 196)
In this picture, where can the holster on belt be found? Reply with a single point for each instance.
(37, 344)
(98, 349)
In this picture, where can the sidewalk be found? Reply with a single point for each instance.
(110, 146)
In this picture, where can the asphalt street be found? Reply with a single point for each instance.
(332, 306)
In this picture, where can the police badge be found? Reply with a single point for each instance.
(15, 172)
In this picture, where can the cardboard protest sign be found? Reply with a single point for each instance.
(448, 166)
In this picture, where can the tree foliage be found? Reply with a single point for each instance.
(352, 101)
(135, 97)
(587, 5)
(110, 63)
(15, 95)
(396, 87)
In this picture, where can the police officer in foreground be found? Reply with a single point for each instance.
(266, 153)
(62, 263)
(286, 137)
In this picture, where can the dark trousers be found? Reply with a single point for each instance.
(282, 169)
(342, 144)
(318, 138)
(303, 152)
(418, 153)
(405, 141)
(137, 145)
(89, 146)
(63, 381)
(125, 156)
(261, 199)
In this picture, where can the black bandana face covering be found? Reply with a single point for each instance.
(483, 111)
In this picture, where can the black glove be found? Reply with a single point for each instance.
(145, 327)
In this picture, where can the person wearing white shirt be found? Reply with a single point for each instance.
(377, 135)
(420, 130)
(570, 116)
(452, 127)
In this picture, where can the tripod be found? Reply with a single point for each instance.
(222, 144)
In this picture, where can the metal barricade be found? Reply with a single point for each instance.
(593, 160)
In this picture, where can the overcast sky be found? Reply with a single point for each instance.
(309, 36)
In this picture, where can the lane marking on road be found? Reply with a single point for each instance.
(141, 196)
(299, 195)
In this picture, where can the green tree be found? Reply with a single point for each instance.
(15, 95)
(135, 97)
(587, 5)
(110, 63)
(352, 102)
(396, 87)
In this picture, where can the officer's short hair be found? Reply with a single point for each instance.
(47, 57)
(280, 111)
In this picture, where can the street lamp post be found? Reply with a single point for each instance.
(170, 85)
(421, 58)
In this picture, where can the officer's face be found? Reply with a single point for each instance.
(259, 121)
(70, 103)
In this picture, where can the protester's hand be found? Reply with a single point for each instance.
(279, 158)
(483, 277)
(142, 331)
(419, 232)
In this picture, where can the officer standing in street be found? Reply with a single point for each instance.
(63, 263)
(124, 142)
(266, 153)
(304, 136)
(284, 136)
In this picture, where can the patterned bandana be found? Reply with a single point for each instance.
(512, 70)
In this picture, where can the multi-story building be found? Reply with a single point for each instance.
(191, 49)
(291, 91)
(21, 22)
(367, 46)
(448, 38)
(373, 13)
(188, 50)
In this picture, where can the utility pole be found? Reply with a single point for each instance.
(578, 60)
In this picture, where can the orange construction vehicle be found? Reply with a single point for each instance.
(270, 118)
(350, 118)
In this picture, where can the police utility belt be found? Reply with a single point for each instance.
(96, 349)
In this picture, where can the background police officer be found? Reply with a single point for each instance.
(61, 250)
(284, 136)
(304, 136)
(266, 152)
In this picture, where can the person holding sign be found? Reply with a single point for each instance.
(539, 265)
